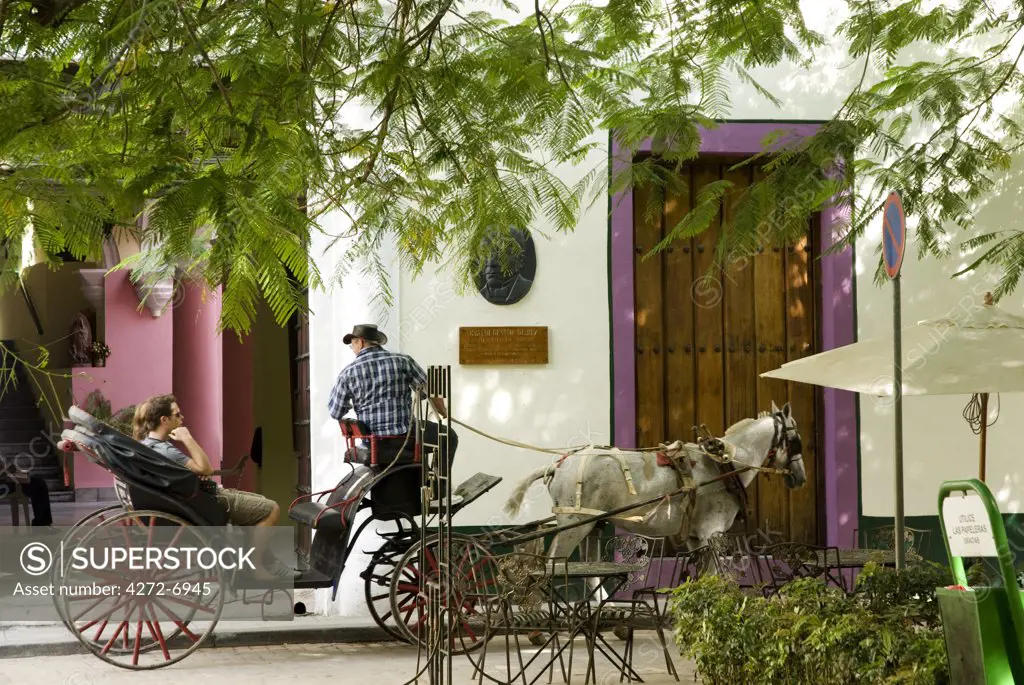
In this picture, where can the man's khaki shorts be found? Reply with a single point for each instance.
(244, 508)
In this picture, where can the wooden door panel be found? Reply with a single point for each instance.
(704, 335)
(801, 338)
(650, 373)
(680, 385)
(770, 285)
(738, 313)
(707, 292)
(299, 347)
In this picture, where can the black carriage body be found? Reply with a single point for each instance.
(393, 496)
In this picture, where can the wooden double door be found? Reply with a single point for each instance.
(703, 337)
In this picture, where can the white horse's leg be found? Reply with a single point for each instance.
(566, 541)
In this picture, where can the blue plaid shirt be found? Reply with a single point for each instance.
(378, 385)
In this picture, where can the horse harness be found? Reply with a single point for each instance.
(783, 438)
(787, 439)
(714, 448)
(578, 507)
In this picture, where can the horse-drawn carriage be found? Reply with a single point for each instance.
(145, 631)
(151, 631)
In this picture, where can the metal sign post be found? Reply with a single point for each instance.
(894, 240)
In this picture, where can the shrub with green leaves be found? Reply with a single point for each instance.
(887, 631)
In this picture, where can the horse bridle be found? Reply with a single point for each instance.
(786, 438)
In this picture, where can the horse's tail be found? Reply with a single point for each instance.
(515, 502)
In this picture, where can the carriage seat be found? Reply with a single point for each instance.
(354, 430)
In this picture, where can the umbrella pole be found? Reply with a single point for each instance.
(984, 436)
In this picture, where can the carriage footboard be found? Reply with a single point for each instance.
(472, 489)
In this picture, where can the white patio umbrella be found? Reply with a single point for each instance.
(976, 350)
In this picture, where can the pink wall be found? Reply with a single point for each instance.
(238, 409)
(198, 367)
(139, 365)
(182, 353)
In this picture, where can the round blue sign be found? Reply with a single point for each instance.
(894, 234)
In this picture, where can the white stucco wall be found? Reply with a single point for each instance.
(938, 444)
(567, 401)
(560, 404)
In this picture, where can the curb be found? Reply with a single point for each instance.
(223, 638)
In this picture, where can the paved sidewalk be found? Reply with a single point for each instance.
(378, 663)
(54, 639)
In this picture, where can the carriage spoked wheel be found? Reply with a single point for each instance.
(70, 540)
(378, 576)
(148, 610)
(472, 584)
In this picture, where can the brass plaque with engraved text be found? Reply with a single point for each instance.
(503, 345)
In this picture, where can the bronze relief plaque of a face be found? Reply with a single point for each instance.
(510, 284)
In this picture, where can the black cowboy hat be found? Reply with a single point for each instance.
(367, 331)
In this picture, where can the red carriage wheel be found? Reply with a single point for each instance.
(143, 618)
(71, 538)
(378, 577)
(472, 584)
(75, 535)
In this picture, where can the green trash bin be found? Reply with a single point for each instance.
(976, 623)
(983, 626)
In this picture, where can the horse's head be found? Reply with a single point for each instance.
(787, 448)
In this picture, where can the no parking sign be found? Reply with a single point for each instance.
(894, 234)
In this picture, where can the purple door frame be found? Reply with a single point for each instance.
(839, 424)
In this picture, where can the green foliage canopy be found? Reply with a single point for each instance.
(244, 121)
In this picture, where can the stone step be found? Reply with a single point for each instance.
(24, 433)
(31, 445)
(24, 460)
(35, 423)
(54, 481)
(61, 495)
(55, 494)
(25, 450)
(15, 397)
(19, 413)
(46, 471)
(55, 486)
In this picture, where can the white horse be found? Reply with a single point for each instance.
(595, 481)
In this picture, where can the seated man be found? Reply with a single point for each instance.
(378, 386)
(160, 418)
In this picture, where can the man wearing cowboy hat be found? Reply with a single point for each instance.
(378, 386)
